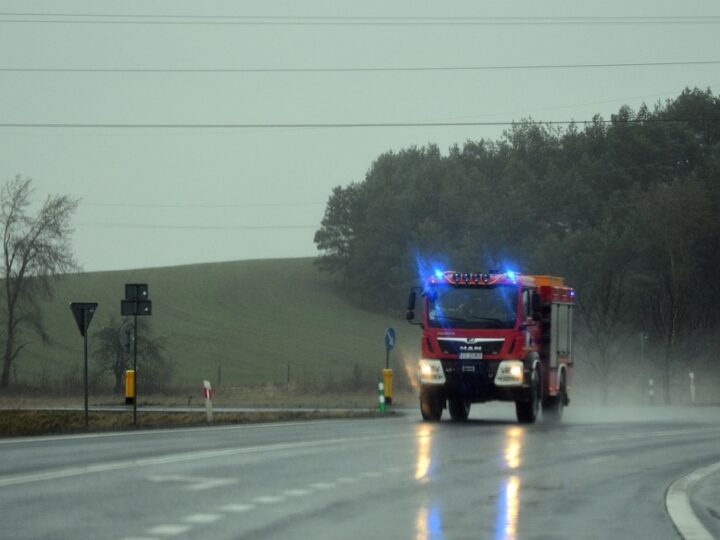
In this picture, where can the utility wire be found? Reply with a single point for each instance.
(359, 69)
(200, 206)
(104, 224)
(260, 20)
(341, 125)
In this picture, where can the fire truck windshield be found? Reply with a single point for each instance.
(473, 307)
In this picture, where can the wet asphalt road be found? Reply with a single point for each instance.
(598, 474)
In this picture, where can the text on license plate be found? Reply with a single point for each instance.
(471, 356)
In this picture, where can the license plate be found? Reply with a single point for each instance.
(471, 356)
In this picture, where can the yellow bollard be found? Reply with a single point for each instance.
(388, 380)
(129, 386)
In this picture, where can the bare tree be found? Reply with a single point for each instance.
(35, 248)
(112, 357)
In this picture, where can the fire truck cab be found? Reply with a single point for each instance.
(494, 336)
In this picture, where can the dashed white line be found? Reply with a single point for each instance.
(169, 530)
(322, 485)
(237, 508)
(346, 480)
(268, 499)
(371, 474)
(296, 492)
(202, 518)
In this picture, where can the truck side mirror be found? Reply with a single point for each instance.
(410, 313)
(536, 306)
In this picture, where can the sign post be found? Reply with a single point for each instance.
(83, 313)
(137, 303)
(387, 372)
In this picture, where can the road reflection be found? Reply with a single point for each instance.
(509, 498)
(424, 460)
(428, 523)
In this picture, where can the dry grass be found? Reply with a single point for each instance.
(34, 422)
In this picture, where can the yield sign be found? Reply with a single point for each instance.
(83, 313)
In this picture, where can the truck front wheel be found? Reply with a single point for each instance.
(527, 411)
(431, 406)
(459, 409)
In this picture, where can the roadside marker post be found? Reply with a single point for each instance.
(83, 313)
(692, 387)
(651, 391)
(207, 392)
(387, 373)
(381, 396)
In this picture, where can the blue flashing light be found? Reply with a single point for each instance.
(511, 275)
(439, 274)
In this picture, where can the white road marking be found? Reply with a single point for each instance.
(197, 483)
(202, 518)
(346, 480)
(150, 432)
(178, 458)
(297, 492)
(677, 502)
(371, 474)
(237, 508)
(322, 485)
(169, 530)
(268, 499)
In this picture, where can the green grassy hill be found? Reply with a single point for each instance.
(252, 318)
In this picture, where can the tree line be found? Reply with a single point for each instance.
(625, 209)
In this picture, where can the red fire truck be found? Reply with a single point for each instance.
(494, 336)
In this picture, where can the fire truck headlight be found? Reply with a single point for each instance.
(431, 371)
(509, 373)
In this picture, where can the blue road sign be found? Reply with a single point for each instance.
(390, 338)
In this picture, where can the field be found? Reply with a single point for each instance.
(239, 324)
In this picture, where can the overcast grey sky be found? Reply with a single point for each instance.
(165, 196)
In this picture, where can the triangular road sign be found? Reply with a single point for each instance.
(83, 313)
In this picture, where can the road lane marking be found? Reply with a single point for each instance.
(126, 434)
(202, 518)
(322, 485)
(169, 530)
(677, 502)
(197, 483)
(236, 508)
(346, 480)
(371, 474)
(297, 492)
(268, 499)
(182, 457)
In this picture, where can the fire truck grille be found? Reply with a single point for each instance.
(457, 347)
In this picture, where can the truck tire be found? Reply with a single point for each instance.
(459, 409)
(431, 406)
(553, 406)
(527, 411)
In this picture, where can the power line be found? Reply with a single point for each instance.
(200, 206)
(360, 69)
(269, 20)
(111, 225)
(341, 125)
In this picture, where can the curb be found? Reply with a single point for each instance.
(677, 503)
